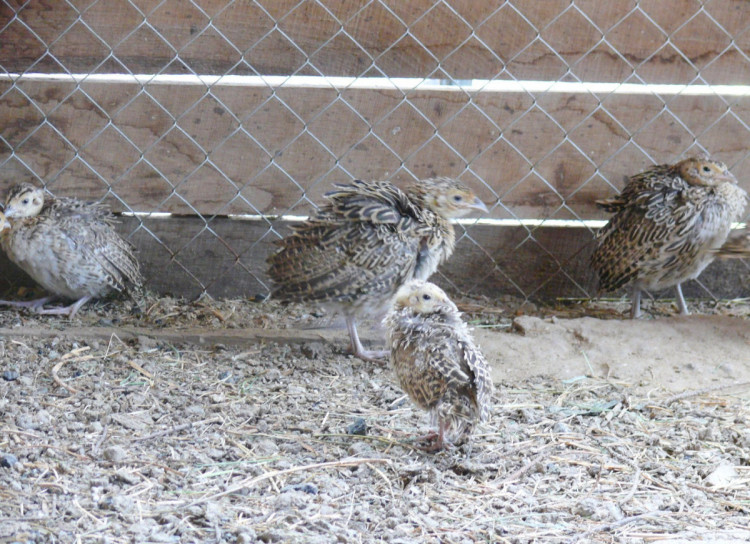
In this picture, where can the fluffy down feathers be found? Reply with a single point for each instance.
(667, 222)
(69, 247)
(436, 361)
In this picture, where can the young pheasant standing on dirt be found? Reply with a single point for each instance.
(365, 243)
(67, 246)
(436, 361)
(668, 222)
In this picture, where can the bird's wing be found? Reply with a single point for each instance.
(375, 202)
(474, 360)
(462, 366)
(364, 241)
(97, 242)
(341, 262)
(652, 216)
(72, 209)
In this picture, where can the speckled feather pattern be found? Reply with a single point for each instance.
(363, 244)
(70, 248)
(439, 366)
(665, 229)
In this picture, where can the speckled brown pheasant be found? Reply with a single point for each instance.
(436, 361)
(365, 243)
(67, 246)
(667, 223)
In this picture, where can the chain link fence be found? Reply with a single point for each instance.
(209, 123)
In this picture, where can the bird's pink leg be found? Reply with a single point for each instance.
(436, 440)
(70, 311)
(681, 305)
(635, 309)
(33, 305)
(358, 350)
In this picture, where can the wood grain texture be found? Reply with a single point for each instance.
(232, 150)
(664, 41)
(182, 256)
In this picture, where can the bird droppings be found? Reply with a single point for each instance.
(358, 427)
(7, 460)
(160, 446)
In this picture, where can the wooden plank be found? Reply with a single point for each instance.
(245, 337)
(238, 150)
(657, 42)
(182, 256)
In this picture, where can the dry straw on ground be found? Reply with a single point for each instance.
(149, 440)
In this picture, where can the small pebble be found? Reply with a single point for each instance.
(723, 475)
(7, 460)
(10, 375)
(313, 350)
(561, 428)
(358, 427)
(116, 454)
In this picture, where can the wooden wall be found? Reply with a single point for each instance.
(203, 152)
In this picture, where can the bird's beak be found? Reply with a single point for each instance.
(9, 213)
(479, 205)
(728, 177)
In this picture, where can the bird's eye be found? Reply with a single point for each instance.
(457, 198)
(25, 200)
(426, 297)
(706, 169)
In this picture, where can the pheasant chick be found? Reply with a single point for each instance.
(667, 223)
(367, 241)
(67, 246)
(436, 361)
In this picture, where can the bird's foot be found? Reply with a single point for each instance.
(379, 356)
(34, 305)
(69, 311)
(431, 442)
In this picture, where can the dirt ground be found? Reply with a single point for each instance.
(244, 422)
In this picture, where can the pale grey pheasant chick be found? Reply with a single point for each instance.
(667, 223)
(67, 246)
(368, 240)
(436, 361)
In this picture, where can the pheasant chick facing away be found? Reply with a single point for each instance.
(667, 224)
(368, 240)
(67, 246)
(436, 361)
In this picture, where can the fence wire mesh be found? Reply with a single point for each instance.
(215, 109)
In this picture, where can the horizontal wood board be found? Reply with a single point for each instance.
(655, 41)
(189, 149)
(182, 255)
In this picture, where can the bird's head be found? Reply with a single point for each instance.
(423, 297)
(704, 172)
(448, 197)
(24, 200)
